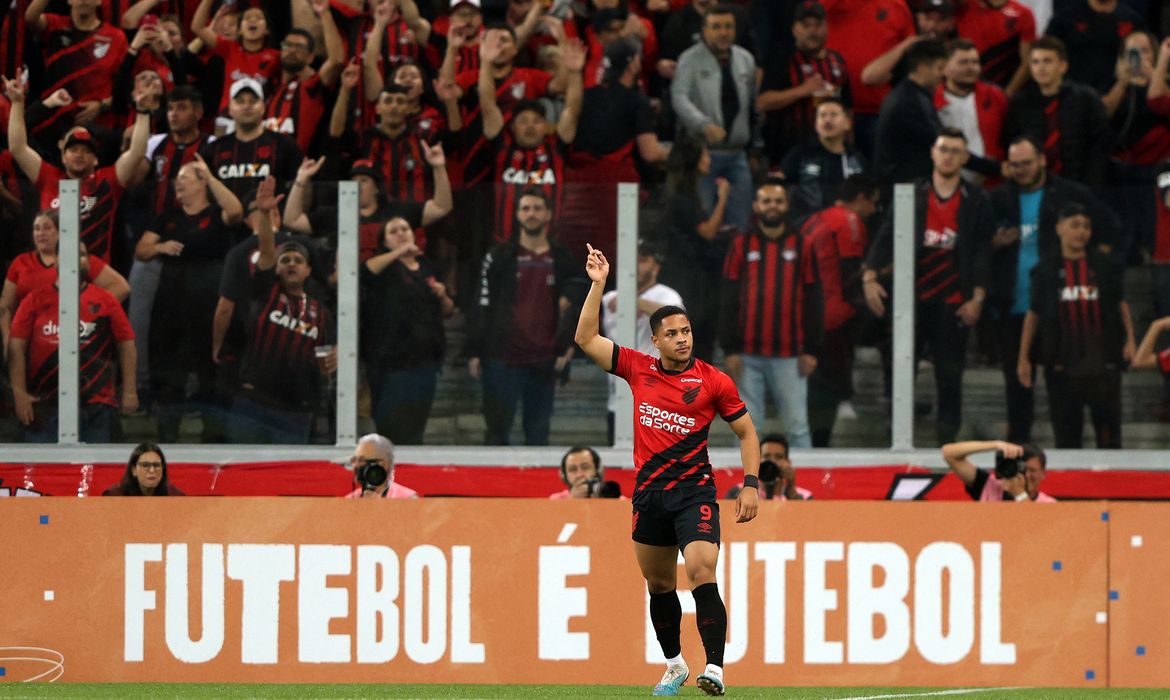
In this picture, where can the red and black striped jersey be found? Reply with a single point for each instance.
(29, 272)
(797, 121)
(673, 411)
(84, 63)
(468, 56)
(103, 326)
(937, 273)
(833, 236)
(1081, 329)
(517, 169)
(166, 156)
(295, 108)
(520, 84)
(997, 33)
(100, 194)
(400, 159)
(263, 65)
(279, 364)
(242, 165)
(765, 297)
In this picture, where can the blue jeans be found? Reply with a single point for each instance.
(504, 387)
(781, 377)
(402, 400)
(732, 165)
(95, 423)
(256, 423)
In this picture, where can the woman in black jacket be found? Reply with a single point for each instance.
(403, 339)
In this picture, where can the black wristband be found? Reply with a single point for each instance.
(752, 481)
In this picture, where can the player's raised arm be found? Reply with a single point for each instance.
(596, 346)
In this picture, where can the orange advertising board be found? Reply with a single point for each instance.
(526, 591)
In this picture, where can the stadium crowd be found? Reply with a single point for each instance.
(487, 138)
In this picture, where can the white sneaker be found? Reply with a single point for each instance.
(711, 681)
(846, 411)
(672, 680)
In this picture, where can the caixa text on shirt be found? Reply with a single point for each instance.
(662, 419)
(294, 324)
(233, 170)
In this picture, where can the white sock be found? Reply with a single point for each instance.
(676, 661)
(713, 670)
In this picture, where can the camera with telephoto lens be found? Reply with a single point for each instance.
(370, 474)
(600, 488)
(1007, 467)
(769, 477)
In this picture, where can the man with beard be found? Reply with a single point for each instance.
(796, 82)
(279, 378)
(908, 122)
(770, 315)
(1025, 209)
(520, 338)
(815, 169)
(953, 226)
(298, 102)
(250, 153)
(975, 107)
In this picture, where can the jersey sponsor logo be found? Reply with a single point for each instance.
(1079, 292)
(691, 380)
(293, 323)
(234, 170)
(662, 419)
(85, 329)
(87, 203)
(519, 176)
(940, 239)
(285, 125)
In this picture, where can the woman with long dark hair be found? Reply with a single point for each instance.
(146, 474)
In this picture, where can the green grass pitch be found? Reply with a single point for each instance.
(211, 690)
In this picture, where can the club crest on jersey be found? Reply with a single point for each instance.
(293, 323)
(690, 395)
(518, 91)
(101, 47)
(753, 256)
(789, 255)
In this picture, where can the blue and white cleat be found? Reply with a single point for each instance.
(672, 680)
(711, 680)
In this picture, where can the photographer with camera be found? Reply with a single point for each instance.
(584, 476)
(777, 475)
(1019, 469)
(373, 470)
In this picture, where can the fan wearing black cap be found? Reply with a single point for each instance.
(616, 121)
(279, 378)
(796, 81)
(250, 153)
(524, 154)
(102, 187)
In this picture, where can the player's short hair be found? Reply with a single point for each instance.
(950, 132)
(580, 448)
(859, 185)
(925, 51)
(1050, 43)
(777, 438)
(960, 44)
(663, 312)
(1072, 209)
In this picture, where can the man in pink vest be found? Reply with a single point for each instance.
(1023, 468)
(373, 470)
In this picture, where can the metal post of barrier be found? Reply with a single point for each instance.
(68, 317)
(626, 259)
(347, 312)
(902, 399)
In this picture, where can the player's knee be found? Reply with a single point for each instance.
(660, 584)
(701, 573)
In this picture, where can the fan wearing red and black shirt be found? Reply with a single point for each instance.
(676, 398)
(33, 361)
(525, 154)
(976, 107)
(101, 188)
(837, 238)
(297, 104)
(795, 82)
(251, 153)
(1003, 32)
(166, 153)
(1079, 328)
(247, 57)
(82, 53)
(280, 377)
(456, 36)
(953, 226)
(770, 314)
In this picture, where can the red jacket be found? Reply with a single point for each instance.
(991, 106)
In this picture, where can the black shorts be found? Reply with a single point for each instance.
(676, 517)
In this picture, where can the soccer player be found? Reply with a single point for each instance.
(677, 397)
